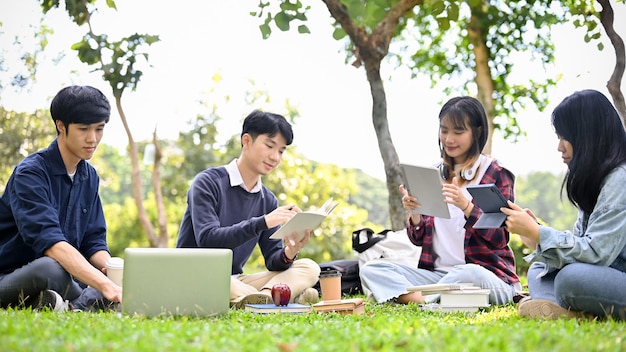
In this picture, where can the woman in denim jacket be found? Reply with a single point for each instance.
(583, 271)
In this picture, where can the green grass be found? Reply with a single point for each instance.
(381, 328)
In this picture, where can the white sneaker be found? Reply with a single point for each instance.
(52, 301)
(254, 298)
(308, 296)
(545, 309)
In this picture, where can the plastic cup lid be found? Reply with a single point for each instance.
(115, 263)
(329, 273)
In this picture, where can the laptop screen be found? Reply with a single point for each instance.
(176, 281)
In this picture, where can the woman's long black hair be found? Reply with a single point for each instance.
(590, 123)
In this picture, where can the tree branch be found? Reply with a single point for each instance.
(377, 43)
(606, 18)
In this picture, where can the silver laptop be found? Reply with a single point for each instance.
(176, 281)
(425, 184)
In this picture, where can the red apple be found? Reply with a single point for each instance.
(281, 293)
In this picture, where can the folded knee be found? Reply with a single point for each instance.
(308, 265)
(46, 271)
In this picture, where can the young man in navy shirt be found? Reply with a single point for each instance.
(229, 207)
(52, 227)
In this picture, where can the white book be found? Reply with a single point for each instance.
(465, 298)
(444, 309)
(306, 220)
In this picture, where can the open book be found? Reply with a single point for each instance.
(306, 220)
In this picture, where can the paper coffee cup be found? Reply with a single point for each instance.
(115, 270)
(330, 285)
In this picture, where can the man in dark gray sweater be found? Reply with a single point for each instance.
(229, 207)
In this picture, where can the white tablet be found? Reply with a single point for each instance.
(424, 182)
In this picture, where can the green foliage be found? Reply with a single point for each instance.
(24, 72)
(541, 192)
(381, 328)
(371, 196)
(76, 9)
(20, 135)
(199, 147)
(510, 30)
(114, 171)
(120, 70)
(117, 59)
(288, 11)
(123, 228)
(584, 14)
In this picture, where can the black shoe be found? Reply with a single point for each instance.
(51, 300)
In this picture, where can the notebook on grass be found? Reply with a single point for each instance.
(176, 281)
(425, 184)
(489, 199)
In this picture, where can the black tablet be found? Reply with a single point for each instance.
(489, 199)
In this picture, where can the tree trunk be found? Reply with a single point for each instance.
(388, 152)
(370, 51)
(158, 193)
(144, 219)
(483, 78)
(614, 84)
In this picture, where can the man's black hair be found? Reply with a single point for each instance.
(80, 104)
(260, 122)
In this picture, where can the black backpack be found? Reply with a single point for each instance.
(350, 280)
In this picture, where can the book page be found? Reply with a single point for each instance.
(306, 220)
(437, 288)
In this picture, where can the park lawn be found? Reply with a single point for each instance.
(381, 328)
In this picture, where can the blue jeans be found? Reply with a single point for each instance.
(21, 287)
(388, 280)
(594, 289)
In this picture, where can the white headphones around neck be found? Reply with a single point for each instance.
(466, 174)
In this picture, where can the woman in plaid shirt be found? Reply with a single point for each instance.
(453, 251)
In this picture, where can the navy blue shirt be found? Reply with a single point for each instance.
(41, 206)
(219, 215)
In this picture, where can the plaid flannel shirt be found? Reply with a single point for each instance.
(488, 248)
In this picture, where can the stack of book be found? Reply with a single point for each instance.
(343, 306)
(461, 297)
